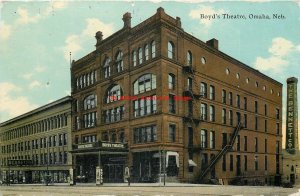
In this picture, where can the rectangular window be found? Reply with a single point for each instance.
(224, 116)
(238, 101)
(266, 110)
(212, 140)
(172, 104)
(266, 162)
(266, 146)
(60, 139)
(256, 162)
(224, 163)
(277, 129)
(266, 125)
(203, 111)
(212, 113)
(256, 106)
(224, 96)
(212, 92)
(245, 163)
(231, 162)
(277, 114)
(245, 103)
(65, 157)
(203, 89)
(238, 143)
(256, 144)
(230, 98)
(256, 123)
(245, 121)
(203, 138)
(172, 133)
(190, 107)
(145, 134)
(190, 84)
(245, 143)
(190, 136)
(230, 117)
(277, 147)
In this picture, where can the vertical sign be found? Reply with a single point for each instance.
(71, 173)
(291, 116)
(99, 176)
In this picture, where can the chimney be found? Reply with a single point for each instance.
(127, 20)
(160, 11)
(213, 43)
(178, 22)
(99, 37)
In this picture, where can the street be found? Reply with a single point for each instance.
(138, 189)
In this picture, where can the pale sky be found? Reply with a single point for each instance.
(36, 38)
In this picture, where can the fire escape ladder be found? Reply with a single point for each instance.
(224, 150)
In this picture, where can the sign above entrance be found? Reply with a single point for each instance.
(112, 145)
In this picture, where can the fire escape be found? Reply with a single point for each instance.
(224, 150)
(193, 114)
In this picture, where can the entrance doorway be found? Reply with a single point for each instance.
(292, 178)
(113, 172)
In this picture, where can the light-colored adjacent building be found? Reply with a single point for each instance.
(37, 143)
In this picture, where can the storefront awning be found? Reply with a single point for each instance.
(168, 154)
(192, 163)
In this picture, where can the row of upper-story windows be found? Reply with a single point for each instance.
(52, 141)
(89, 102)
(87, 121)
(256, 84)
(117, 67)
(48, 124)
(189, 62)
(143, 54)
(112, 135)
(145, 134)
(87, 79)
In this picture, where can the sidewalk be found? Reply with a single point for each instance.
(169, 184)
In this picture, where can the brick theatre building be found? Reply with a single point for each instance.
(165, 104)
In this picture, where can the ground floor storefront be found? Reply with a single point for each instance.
(15, 176)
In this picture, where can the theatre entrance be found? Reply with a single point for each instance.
(113, 167)
(113, 173)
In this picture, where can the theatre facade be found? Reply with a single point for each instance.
(163, 103)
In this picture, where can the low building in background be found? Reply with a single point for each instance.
(37, 144)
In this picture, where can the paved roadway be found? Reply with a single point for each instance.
(139, 189)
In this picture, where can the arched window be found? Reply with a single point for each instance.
(153, 49)
(140, 55)
(171, 79)
(171, 52)
(144, 83)
(119, 61)
(134, 58)
(113, 94)
(189, 58)
(106, 67)
(90, 102)
(146, 50)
